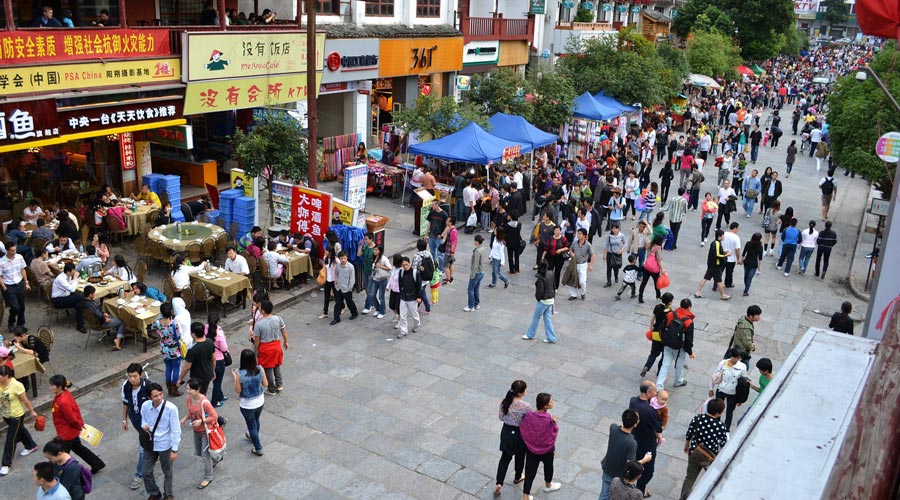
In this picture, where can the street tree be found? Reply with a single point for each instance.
(713, 54)
(550, 98)
(275, 149)
(859, 113)
(760, 26)
(435, 117)
(716, 18)
(836, 12)
(502, 91)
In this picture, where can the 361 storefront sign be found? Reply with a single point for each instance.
(30, 123)
(242, 93)
(48, 45)
(65, 77)
(216, 55)
(416, 56)
(134, 116)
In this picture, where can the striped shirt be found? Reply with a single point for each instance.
(676, 207)
(11, 269)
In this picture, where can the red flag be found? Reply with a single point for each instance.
(878, 17)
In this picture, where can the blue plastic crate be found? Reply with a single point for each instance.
(230, 194)
(172, 180)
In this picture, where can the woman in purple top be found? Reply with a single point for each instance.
(539, 430)
(512, 410)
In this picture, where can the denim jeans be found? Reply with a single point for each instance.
(173, 367)
(754, 152)
(138, 472)
(459, 209)
(787, 255)
(217, 394)
(474, 285)
(545, 311)
(497, 270)
(646, 215)
(805, 255)
(375, 295)
(749, 274)
(671, 356)
(425, 294)
(604, 489)
(251, 418)
(438, 257)
(749, 203)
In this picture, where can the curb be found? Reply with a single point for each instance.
(855, 289)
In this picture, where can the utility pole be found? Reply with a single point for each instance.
(312, 90)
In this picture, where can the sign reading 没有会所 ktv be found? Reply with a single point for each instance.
(242, 93)
(216, 55)
(66, 77)
(49, 45)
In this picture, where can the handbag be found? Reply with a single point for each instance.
(766, 220)
(215, 437)
(663, 281)
(702, 456)
(182, 348)
(752, 193)
(442, 247)
(146, 438)
(651, 265)
(320, 279)
(227, 358)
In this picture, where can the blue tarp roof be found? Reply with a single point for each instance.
(471, 145)
(612, 102)
(516, 128)
(588, 107)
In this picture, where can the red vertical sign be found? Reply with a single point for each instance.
(310, 212)
(126, 149)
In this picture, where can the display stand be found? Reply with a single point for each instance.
(422, 206)
(337, 151)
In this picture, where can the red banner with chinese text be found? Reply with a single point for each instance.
(126, 149)
(47, 45)
(310, 212)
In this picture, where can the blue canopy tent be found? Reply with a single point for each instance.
(516, 128)
(588, 107)
(612, 102)
(470, 145)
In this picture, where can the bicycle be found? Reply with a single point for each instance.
(805, 143)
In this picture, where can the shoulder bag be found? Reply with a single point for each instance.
(215, 436)
(651, 265)
(146, 438)
(702, 456)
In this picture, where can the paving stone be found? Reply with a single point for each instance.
(469, 481)
(438, 468)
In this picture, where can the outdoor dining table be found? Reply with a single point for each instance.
(137, 312)
(27, 365)
(30, 226)
(297, 265)
(191, 232)
(136, 221)
(222, 283)
(104, 288)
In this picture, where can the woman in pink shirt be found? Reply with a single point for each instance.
(215, 332)
(539, 430)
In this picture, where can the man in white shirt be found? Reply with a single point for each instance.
(470, 195)
(725, 192)
(14, 283)
(519, 180)
(64, 294)
(32, 211)
(236, 263)
(815, 137)
(731, 242)
(829, 191)
(160, 418)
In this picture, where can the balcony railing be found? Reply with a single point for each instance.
(496, 28)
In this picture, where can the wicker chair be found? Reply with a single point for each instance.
(45, 335)
(161, 253)
(209, 249)
(221, 243)
(194, 252)
(202, 295)
(168, 287)
(187, 295)
(140, 270)
(51, 309)
(31, 279)
(252, 264)
(132, 325)
(141, 248)
(152, 215)
(233, 229)
(203, 217)
(93, 325)
(116, 227)
(37, 243)
(264, 276)
(163, 198)
(220, 221)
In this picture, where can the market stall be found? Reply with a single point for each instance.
(589, 121)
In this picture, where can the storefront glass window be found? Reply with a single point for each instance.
(380, 8)
(428, 8)
(188, 12)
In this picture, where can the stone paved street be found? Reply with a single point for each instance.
(366, 416)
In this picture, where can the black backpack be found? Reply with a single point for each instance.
(426, 268)
(827, 187)
(742, 390)
(673, 336)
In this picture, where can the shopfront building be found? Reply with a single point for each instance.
(67, 121)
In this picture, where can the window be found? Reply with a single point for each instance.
(379, 7)
(331, 7)
(428, 8)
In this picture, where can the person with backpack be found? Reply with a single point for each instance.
(409, 284)
(74, 477)
(829, 192)
(135, 392)
(678, 343)
(424, 266)
(68, 422)
(658, 324)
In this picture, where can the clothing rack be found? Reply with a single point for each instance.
(337, 151)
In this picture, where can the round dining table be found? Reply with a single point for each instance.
(191, 232)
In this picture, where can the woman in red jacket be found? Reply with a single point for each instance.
(68, 422)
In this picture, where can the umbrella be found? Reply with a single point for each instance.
(702, 81)
(745, 71)
(756, 69)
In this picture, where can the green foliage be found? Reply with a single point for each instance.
(713, 54)
(628, 68)
(794, 41)
(496, 92)
(273, 150)
(761, 24)
(836, 11)
(552, 95)
(675, 66)
(438, 116)
(859, 113)
(583, 15)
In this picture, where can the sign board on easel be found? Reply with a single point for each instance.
(348, 214)
(356, 179)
